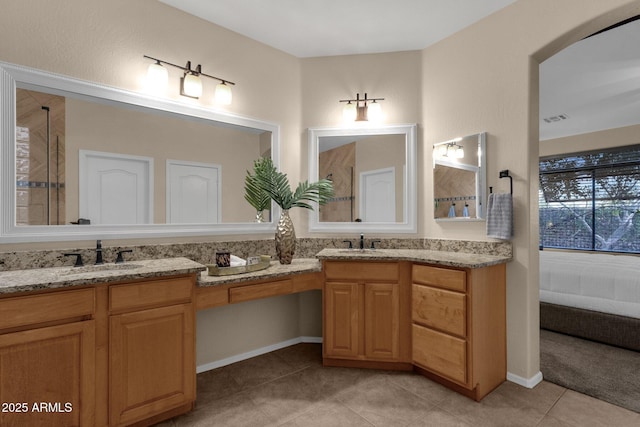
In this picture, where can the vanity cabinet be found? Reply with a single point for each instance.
(366, 321)
(47, 359)
(152, 349)
(459, 326)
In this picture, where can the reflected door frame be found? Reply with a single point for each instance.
(109, 182)
(377, 195)
(194, 192)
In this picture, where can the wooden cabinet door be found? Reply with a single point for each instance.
(440, 353)
(341, 319)
(48, 376)
(152, 362)
(440, 309)
(382, 320)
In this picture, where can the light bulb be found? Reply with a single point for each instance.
(157, 77)
(442, 150)
(192, 85)
(374, 113)
(223, 95)
(459, 152)
(349, 112)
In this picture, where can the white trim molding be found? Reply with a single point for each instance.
(15, 76)
(525, 382)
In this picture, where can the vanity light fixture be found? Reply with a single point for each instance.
(450, 149)
(157, 76)
(370, 110)
(190, 82)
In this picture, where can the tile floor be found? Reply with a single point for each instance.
(290, 388)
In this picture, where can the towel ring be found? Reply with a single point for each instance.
(505, 174)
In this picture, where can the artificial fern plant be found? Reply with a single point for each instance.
(267, 182)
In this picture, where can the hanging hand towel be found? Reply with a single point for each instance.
(500, 216)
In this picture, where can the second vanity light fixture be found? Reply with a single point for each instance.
(190, 82)
(364, 109)
(450, 149)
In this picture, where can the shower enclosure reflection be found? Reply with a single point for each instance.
(40, 159)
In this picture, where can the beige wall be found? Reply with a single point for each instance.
(610, 138)
(483, 78)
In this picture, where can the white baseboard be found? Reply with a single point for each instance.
(256, 352)
(525, 382)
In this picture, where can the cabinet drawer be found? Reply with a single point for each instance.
(359, 271)
(60, 305)
(440, 353)
(157, 292)
(442, 277)
(439, 309)
(261, 290)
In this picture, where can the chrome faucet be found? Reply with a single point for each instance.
(99, 252)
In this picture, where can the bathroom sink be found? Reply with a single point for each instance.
(99, 268)
(357, 251)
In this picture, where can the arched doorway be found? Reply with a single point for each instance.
(565, 369)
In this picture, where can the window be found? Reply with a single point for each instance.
(591, 200)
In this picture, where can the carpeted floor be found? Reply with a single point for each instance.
(608, 373)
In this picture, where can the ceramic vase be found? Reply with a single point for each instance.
(285, 238)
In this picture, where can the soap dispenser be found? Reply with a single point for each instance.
(452, 211)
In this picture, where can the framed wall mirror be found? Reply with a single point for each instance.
(373, 171)
(87, 161)
(459, 178)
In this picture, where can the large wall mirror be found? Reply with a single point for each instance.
(84, 161)
(459, 178)
(373, 171)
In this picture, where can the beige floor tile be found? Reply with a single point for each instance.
(236, 410)
(301, 356)
(509, 405)
(384, 403)
(577, 409)
(287, 397)
(259, 370)
(328, 414)
(439, 418)
(215, 384)
(421, 386)
(549, 421)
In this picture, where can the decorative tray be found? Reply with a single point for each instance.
(264, 262)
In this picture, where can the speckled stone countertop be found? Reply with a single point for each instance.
(452, 259)
(298, 265)
(15, 281)
(62, 277)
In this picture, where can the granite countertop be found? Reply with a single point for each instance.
(452, 259)
(299, 265)
(62, 277)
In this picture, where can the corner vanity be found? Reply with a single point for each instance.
(442, 313)
(115, 344)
